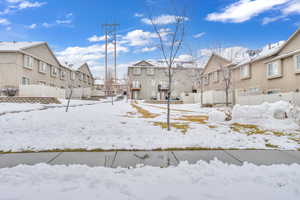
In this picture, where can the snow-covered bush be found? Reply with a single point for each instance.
(266, 110)
(216, 116)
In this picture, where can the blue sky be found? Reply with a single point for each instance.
(73, 27)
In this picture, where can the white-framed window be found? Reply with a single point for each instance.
(297, 62)
(215, 76)
(273, 69)
(62, 74)
(28, 62)
(245, 71)
(54, 71)
(163, 84)
(42, 67)
(137, 71)
(135, 84)
(150, 71)
(73, 76)
(25, 81)
(80, 76)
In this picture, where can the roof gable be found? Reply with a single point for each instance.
(42, 51)
(143, 63)
(214, 62)
(85, 69)
(292, 44)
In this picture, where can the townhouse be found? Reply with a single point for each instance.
(150, 81)
(274, 70)
(34, 63)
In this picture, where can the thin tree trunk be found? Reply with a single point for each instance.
(169, 99)
(227, 103)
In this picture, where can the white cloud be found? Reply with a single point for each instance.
(47, 25)
(138, 15)
(148, 49)
(267, 20)
(90, 54)
(96, 38)
(8, 28)
(4, 22)
(32, 26)
(292, 8)
(244, 10)
(139, 38)
(63, 21)
(199, 35)
(28, 4)
(163, 19)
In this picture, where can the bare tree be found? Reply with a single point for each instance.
(226, 75)
(170, 42)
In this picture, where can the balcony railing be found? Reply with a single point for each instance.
(135, 86)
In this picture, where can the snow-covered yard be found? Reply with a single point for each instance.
(215, 181)
(136, 125)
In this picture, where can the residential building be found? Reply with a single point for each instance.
(32, 63)
(150, 81)
(276, 69)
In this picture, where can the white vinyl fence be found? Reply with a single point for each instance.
(41, 91)
(209, 97)
(293, 97)
(79, 93)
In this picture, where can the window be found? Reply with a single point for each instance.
(135, 84)
(25, 81)
(80, 76)
(42, 67)
(273, 69)
(137, 71)
(215, 76)
(150, 71)
(62, 74)
(54, 71)
(244, 71)
(297, 63)
(28, 62)
(73, 76)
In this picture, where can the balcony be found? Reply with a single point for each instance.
(163, 87)
(135, 87)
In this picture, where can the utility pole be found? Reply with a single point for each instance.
(110, 31)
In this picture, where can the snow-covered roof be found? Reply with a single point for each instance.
(17, 46)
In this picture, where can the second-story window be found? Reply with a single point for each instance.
(137, 71)
(135, 84)
(62, 74)
(245, 71)
(297, 63)
(42, 67)
(150, 71)
(273, 69)
(28, 62)
(205, 80)
(54, 71)
(215, 76)
(73, 76)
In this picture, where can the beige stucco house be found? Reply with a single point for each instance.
(148, 80)
(34, 63)
(275, 70)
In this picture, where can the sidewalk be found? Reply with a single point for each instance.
(152, 158)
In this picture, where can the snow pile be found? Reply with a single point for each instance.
(216, 116)
(269, 115)
(214, 180)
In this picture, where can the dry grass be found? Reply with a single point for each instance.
(200, 119)
(249, 129)
(272, 146)
(212, 126)
(143, 112)
(183, 127)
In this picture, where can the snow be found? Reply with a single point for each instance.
(119, 126)
(216, 116)
(16, 46)
(214, 181)
(263, 115)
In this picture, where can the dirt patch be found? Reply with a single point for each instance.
(143, 112)
(165, 108)
(183, 127)
(200, 119)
